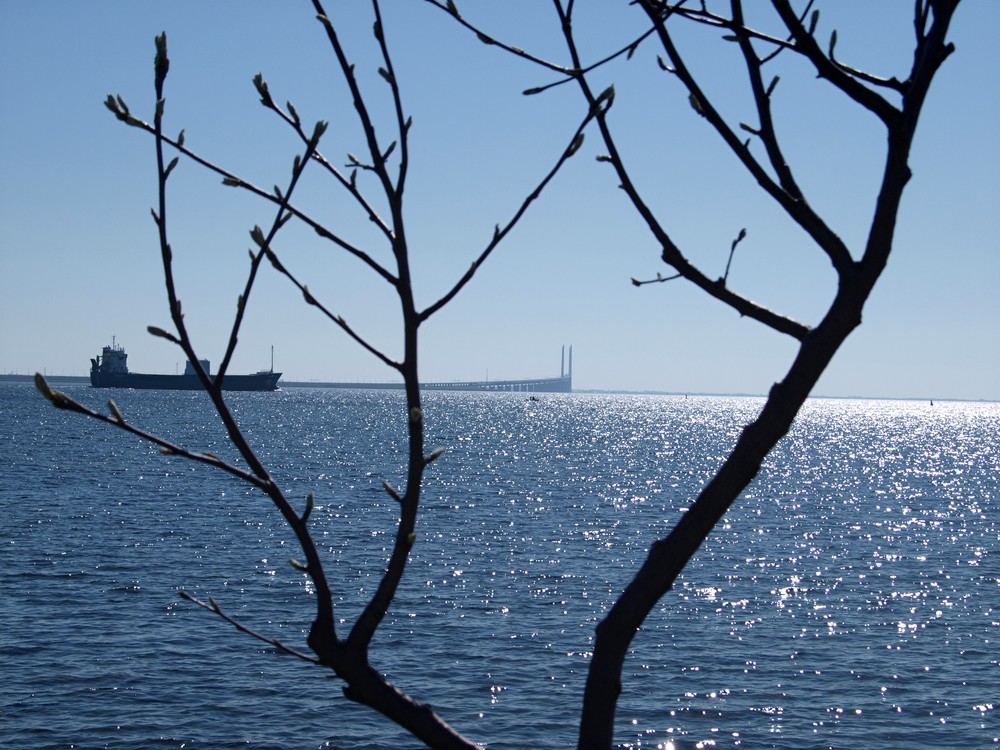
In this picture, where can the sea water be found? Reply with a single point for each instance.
(850, 598)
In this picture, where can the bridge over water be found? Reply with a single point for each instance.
(562, 384)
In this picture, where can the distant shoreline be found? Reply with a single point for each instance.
(84, 380)
(10, 378)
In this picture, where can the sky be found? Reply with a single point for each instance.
(79, 260)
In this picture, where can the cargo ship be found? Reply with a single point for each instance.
(109, 370)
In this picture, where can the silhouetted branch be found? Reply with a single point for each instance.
(324, 600)
(378, 153)
(806, 43)
(660, 278)
(311, 300)
(499, 233)
(739, 238)
(703, 16)
(232, 180)
(402, 121)
(61, 400)
(349, 183)
(671, 254)
(570, 74)
(785, 192)
(280, 219)
(762, 102)
(213, 606)
(452, 9)
(668, 556)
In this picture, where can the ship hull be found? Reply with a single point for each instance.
(262, 381)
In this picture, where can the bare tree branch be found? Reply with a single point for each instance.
(449, 7)
(232, 180)
(500, 233)
(402, 122)
(61, 400)
(787, 193)
(671, 254)
(338, 320)
(348, 183)
(762, 101)
(668, 556)
(212, 606)
(324, 599)
(660, 279)
(279, 221)
(806, 43)
(360, 107)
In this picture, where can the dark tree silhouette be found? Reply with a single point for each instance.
(385, 167)
(894, 102)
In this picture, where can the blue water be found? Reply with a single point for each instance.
(851, 599)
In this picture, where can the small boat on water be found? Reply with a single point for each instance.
(110, 370)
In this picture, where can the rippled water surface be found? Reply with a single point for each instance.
(850, 600)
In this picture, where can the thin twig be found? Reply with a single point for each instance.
(212, 606)
(232, 180)
(279, 220)
(671, 254)
(793, 204)
(500, 233)
(60, 400)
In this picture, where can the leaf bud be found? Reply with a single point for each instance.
(696, 105)
(318, 130)
(274, 261)
(608, 95)
(115, 411)
(261, 85)
(575, 145)
(162, 62)
(43, 386)
(160, 333)
(391, 491)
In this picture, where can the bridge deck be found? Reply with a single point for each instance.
(535, 385)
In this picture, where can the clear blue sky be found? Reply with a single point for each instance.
(79, 261)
